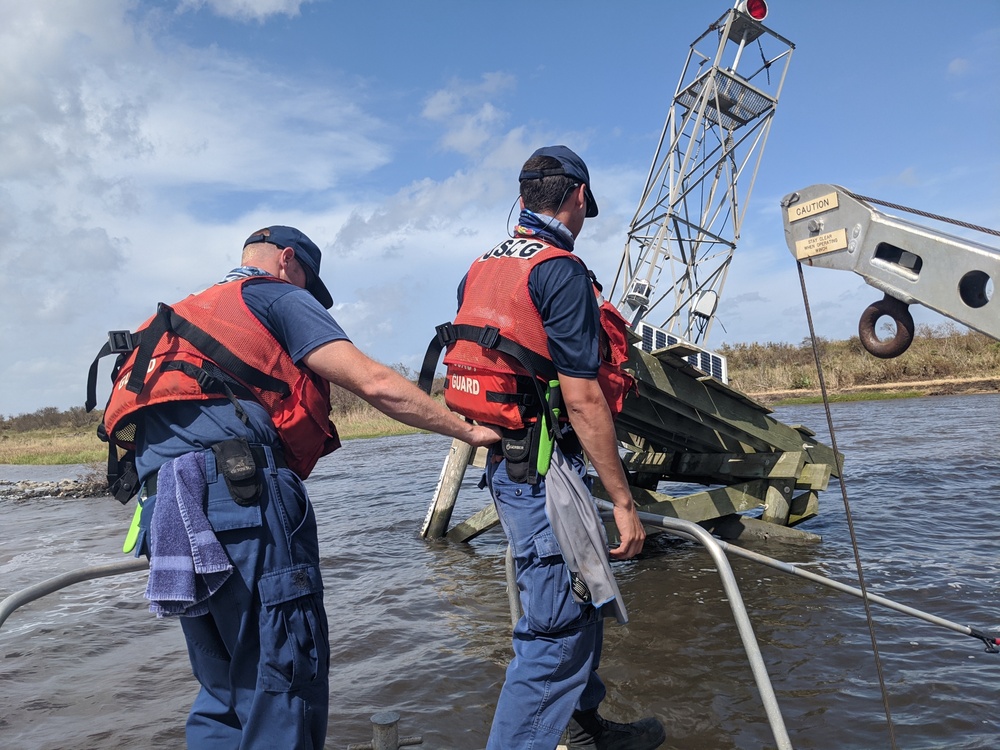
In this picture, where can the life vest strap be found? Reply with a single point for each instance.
(121, 343)
(488, 337)
(541, 369)
(524, 400)
(214, 381)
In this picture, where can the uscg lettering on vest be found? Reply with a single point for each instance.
(519, 247)
(465, 384)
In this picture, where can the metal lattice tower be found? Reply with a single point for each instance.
(682, 238)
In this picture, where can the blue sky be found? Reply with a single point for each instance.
(143, 141)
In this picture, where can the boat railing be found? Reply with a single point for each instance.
(693, 532)
(51, 585)
(684, 529)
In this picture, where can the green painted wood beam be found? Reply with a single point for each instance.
(475, 525)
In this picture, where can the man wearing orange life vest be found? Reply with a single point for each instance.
(224, 398)
(529, 316)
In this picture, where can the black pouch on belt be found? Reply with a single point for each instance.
(234, 460)
(520, 448)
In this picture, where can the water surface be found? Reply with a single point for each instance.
(423, 628)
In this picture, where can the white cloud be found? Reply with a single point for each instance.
(60, 101)
(111, 140)
(163, 113)
(221, 122)
(462, 202)
(958, 66)
(470, 119)
(246, 10)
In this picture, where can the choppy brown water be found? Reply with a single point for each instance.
(423, 629)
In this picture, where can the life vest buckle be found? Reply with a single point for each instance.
(489, 337)
(121, 342)
(445, 334)
(205, 380)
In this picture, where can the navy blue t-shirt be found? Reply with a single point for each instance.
(166, 431)
(563, 293)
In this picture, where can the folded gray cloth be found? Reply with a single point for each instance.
(187, 564)
(579, 530)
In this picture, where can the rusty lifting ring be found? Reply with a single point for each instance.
(900, 314)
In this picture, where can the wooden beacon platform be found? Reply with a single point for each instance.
(687, 428)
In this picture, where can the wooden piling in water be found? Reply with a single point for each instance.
(443, 503)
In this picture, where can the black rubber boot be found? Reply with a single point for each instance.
(589, 731)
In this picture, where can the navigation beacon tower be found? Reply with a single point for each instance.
(682, 238)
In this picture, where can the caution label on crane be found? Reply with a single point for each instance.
(799, 211)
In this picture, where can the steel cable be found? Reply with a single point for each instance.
(847, 509)
(918, 212)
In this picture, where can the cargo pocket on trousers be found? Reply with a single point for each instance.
(294, 644)
(550, 607)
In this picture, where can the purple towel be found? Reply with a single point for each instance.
(187, 564)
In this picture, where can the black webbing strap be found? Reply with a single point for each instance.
(123, 481)
(214, 382)
(523, 400)
(120, 343)
(489, 338)
(428, 367)
(168, 320)
(539, 368)
(155, 331)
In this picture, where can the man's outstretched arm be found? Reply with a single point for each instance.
(343, 364)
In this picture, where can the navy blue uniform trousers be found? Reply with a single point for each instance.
(262, 652)
(557, 642)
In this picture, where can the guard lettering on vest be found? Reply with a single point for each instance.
(465, 384)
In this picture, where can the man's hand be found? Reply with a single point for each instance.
(630, 530)
(484, 435)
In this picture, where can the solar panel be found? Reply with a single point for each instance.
(708, 362)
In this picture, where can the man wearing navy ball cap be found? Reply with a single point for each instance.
(224, 399)
(531, 324)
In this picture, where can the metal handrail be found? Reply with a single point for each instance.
(37, 591)
(694, 532)
(684, 529)
(716, 547)
(991, 640)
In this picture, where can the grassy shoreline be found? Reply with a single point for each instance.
(59, 446)
(941, 361)
(882, 391)
(75, 445)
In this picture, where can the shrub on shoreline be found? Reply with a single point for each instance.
(937, 352)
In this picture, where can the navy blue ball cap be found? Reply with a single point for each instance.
(306, 253)
(570, 165)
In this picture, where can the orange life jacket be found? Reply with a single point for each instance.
(500, 344)
(209, 346)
